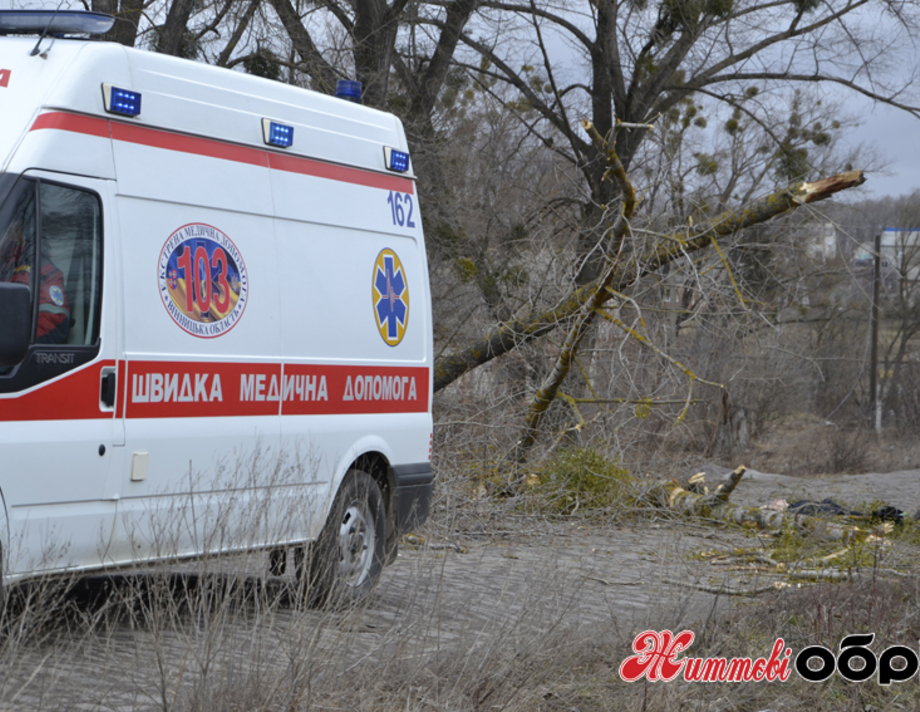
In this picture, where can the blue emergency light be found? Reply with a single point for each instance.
(54, 22)
(275, 134)
(121, 101)
(396, 160)
(348, 90)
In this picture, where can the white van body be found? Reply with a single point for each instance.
(182, 419)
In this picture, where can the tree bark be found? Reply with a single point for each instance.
(129, 19)
(109, 7)
(173, 31)
(374, 40)
(732, 432)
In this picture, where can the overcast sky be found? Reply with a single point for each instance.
(896, 135)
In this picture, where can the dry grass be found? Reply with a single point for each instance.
(804, 445)
(221, 639)
(224, 634)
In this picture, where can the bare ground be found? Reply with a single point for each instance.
(479, 608)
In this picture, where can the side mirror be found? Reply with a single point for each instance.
(15, 322)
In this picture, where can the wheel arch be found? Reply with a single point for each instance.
(377, 465)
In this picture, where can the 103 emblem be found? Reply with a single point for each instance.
(202, 280)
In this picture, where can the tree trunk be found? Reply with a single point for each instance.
(374, 37)
(127, 22)
(172, 33)
(732, 432)
(320, 71)
(109, 7)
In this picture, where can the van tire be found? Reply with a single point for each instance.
(344, 564)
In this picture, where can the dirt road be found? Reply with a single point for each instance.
(455, 610)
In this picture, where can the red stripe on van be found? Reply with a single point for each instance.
(165, 389)
(318, 169)
(72, 122)
(156, 138)
(192, 389)
(340, 390)
(74, 397)
(169, 389)
(212, 148)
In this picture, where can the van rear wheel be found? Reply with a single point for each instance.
(344, 564)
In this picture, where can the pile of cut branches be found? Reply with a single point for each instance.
(694, 499)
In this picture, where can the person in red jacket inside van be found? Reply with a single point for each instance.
(53, 307)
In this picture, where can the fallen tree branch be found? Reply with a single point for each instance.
(506, 337)
(715, 506)
(728, 590)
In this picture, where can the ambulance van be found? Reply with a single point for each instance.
(215, 322)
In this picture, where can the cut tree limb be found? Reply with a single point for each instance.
(506, 337)
(618, 233)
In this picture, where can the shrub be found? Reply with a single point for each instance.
(582, 478)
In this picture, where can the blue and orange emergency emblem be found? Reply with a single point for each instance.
(203, 281)
(391, 297)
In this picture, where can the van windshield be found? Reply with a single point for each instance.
(17, 235)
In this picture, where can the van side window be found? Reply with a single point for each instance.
(70, 245)
(51, 240)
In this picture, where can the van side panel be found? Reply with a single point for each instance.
(67, 143)
(155, 164)
(185, 411)
(330, 313)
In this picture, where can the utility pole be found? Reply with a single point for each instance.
(876, 411)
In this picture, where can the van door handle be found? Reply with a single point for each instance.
(108, 387)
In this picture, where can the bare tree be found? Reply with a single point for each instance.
(643, 60)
